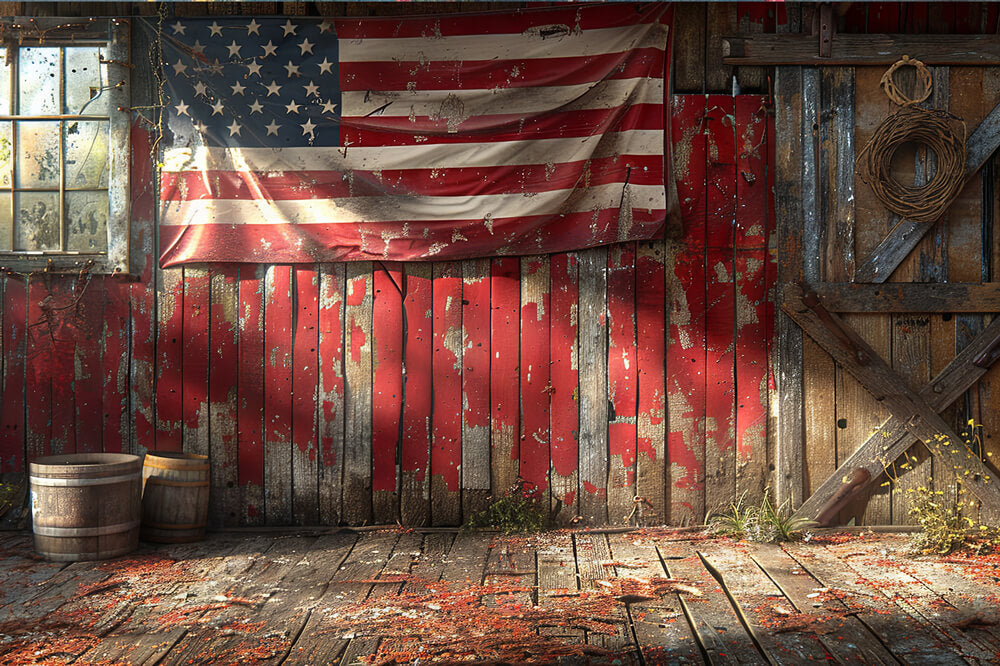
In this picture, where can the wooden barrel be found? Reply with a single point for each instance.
(174, 497)
(85, 506)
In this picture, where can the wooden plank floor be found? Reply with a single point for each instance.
(651, 596)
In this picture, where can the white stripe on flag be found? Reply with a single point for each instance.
(460, 105)
(353, 210)
(443, 156)
(528, 45)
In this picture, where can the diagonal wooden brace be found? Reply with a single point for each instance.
(914, 415)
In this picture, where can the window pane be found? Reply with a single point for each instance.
(38, 154)
(88, 221)
(37, 222)
(6, 155)
(86, 145)
(85, 78)
(39, 81)
(5, 70)
(5, 222)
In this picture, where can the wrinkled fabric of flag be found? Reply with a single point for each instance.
(302, 140)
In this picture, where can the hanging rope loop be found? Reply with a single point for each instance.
(940, 131)
(924, 82)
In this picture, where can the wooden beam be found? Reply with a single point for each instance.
(892, 439)
(860, 50)
(901, 240)
(909, 297)
(917, 416)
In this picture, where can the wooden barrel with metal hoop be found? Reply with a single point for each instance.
(85, 506)
(174, 497)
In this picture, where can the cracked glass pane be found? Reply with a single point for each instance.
(37, 221)
(86, 79)
(39, 77)
(87, 230)
(38, 154)
(86, 145)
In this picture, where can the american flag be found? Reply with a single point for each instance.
(297, 140)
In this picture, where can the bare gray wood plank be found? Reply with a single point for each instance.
(718, 629)
(763, 605)
(660, 626)
(858, 50)
(356, 507)
(788, 193)
(845, 637)
(557, 575)
(592, 555)
(593, 333)
(910, 297)
(905, 636)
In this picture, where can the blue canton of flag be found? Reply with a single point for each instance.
(269, 82)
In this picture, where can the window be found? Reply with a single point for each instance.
(64, 124)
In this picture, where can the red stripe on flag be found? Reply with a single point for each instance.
(371, 131)
(302, 185)
(492, 74)
(345, 242)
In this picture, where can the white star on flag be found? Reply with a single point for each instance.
(329, 107)
(253, 67)
(234, 129)
(215, 29)
(324, 67)
(253, 28)
(182, 109)
(306, 47)
(273, 88)
(272, 128)
(312, 89)
(293, 70)
(217, 108)
(200, 88)
(292, 107)
(269, 48)
(256, 107)
(238, 88)
(198, 47)
(308, 127)
(179, 68)
(234, 49)
(289, 28)
(179, 28)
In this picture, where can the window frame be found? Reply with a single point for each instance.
(115, 35)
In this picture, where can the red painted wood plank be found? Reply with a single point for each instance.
(115, 366)
(720, 393)
(357, 490)
(66, 324)
(194, 366)
(222, 397)
(331, 390)
(883, 17)
(141, 294)
(535, 388)
(685, 268)
(14, 338)
(250, 405)
(720, 171)
(86, 330)
(622, 381)
(40, 363)
(305, 381)
(752, 319)
(278, 315)
(415, 484)
(751, 172)
(475, 385)
(387, 388)
(915, 17)
(686, 389)
(564, 406)
(651, 357)
(169, 359)
(505, 298)
(690, 152)
(446, 452)
(720, 409)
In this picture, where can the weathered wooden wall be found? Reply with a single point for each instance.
(602, 376)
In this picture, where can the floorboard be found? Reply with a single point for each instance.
(567, 597)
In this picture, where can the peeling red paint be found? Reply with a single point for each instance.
(358, 340)
(594, 490)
